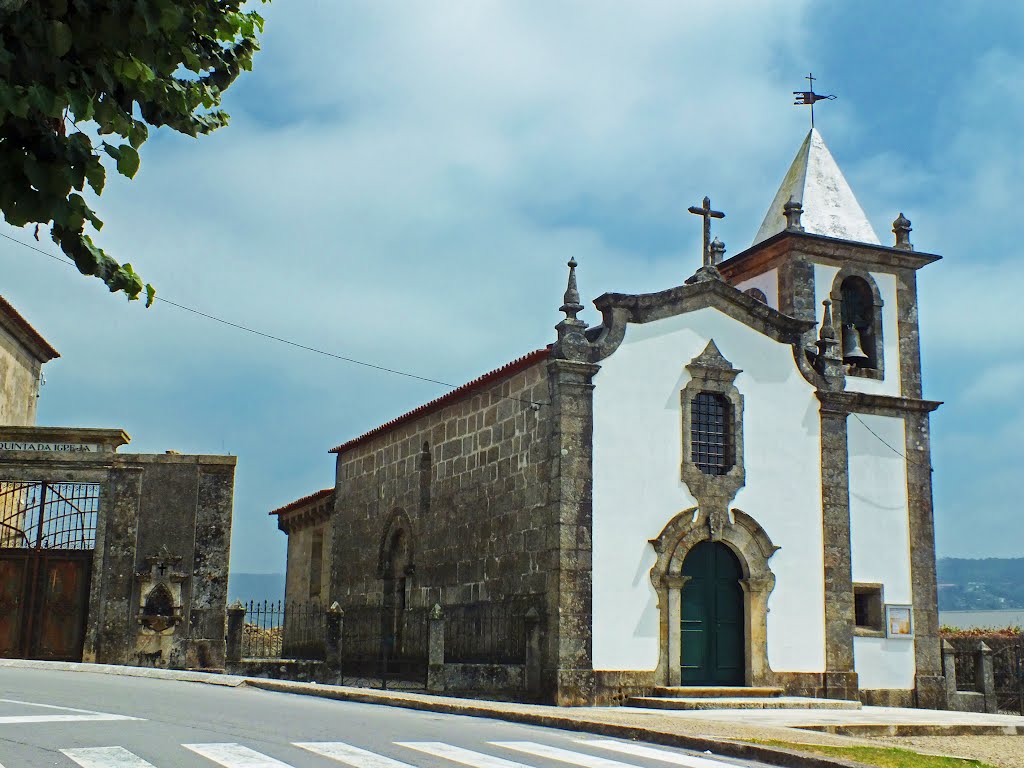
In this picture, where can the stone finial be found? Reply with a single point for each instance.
(436, 613)
(828, 329)
(793, 210)
(571, 301)
(901, 228)
(717, 250)
(335, 608)
(828, 363)
(572, 341)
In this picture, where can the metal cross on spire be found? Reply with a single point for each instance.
(808, 97)
(708, 214)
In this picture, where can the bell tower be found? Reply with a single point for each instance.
(815, 251)
(816, 244)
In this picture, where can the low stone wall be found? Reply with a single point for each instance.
(283, 669)
(485, 678)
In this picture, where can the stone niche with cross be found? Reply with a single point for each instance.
(160, 606)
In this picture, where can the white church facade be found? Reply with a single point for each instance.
(726, 483)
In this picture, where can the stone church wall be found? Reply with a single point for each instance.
(19, 381)
(466, 489)
(301, 582)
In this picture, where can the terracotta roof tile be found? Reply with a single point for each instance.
(48, 352)
(448, 398)
(303, 501)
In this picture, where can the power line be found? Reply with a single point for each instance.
(289, 342)
(887, 445)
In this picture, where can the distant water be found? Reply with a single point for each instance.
(997, 619)
(255, 586)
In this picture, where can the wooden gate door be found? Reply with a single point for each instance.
(712, 617)
(47, 537)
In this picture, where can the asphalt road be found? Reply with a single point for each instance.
(68, 719)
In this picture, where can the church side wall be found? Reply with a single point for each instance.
(880, 542)
(824, 275)
(638, 488)
(19, 383)
(475, 523)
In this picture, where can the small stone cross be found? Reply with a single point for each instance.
(162, 568)
(708, 214)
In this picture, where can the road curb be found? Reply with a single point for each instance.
(737, 749)
(210, 678)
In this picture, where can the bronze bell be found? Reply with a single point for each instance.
(853, 353)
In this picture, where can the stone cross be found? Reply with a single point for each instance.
(708, 214)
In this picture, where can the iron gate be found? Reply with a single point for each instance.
(47, 537)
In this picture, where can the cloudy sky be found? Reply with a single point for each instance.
(403, 182)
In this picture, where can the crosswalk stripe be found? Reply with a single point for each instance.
(106, 757)
(460, 755)
(346, 753)
(562, 755)
(639, 750)
(235, 756)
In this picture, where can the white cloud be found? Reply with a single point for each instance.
(403, 182)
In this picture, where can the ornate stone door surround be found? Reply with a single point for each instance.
(748, 540)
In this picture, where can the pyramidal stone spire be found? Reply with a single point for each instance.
(829, 206)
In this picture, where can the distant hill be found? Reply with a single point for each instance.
(255, 586)
(991, 583)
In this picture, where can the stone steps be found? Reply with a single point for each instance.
(714, 692)
(739, 702)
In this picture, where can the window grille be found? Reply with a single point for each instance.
(710, 431)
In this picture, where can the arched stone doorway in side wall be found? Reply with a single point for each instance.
(711, 628)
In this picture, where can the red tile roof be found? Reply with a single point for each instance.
(12, 314)
(303, 501)
(456, 394)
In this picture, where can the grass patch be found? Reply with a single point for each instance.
(884, 757)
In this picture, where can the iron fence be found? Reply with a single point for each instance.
(1008, 670)
(485, 633)
(384, 645)
(379, 642)
(282, 630)
(1007, 667)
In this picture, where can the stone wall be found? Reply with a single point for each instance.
(163, 528)
(300, 584)
(171, 512)
(22, 354)
(456, 499)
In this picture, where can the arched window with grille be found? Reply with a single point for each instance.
(711, 432)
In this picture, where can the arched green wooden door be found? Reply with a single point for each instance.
(712, 617)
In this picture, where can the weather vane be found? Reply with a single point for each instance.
(808, 97)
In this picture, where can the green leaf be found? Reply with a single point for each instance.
(59, 38)
(128, 66)
(138, 133)
(127, 160)
(96, 175)
(150, 295)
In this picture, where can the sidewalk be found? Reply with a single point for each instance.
(996, 739)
